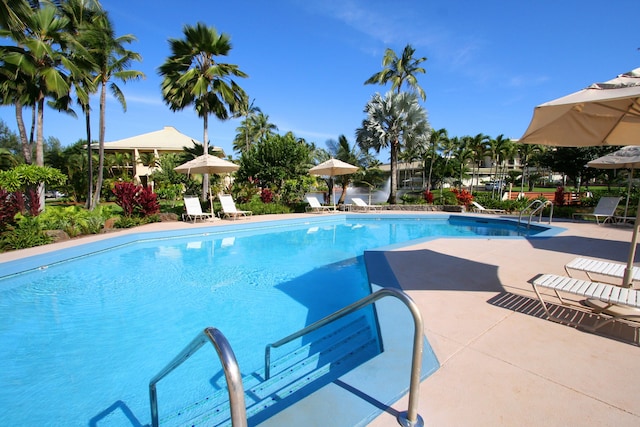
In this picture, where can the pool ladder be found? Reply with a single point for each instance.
(536, 207)
(408, 418)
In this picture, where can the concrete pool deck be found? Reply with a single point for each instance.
(502, 362)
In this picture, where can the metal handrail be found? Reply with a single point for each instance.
(541, 205)
(229, 366)
(410, 417)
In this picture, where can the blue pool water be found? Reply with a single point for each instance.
(81, 338)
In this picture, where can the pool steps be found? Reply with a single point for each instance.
(299, 372)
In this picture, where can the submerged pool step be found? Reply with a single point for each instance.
(294, 375)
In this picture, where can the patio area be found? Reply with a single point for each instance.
(502, 362)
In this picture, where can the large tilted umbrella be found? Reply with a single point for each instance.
(207, 164)
(625, 158)
(333, 167)
(602, 114)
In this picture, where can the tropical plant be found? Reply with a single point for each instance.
(400, 70)
(112, 62)
(394, 121)
(192, 75)
(277, 159)
(26, 233)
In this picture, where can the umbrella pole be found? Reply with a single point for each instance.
(211, 200)
(628, 272)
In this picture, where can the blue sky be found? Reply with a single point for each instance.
(489, 62)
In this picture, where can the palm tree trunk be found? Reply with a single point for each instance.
(26, 146)
(101, 135)
(394, 171)
(205, 147)
(87, 115)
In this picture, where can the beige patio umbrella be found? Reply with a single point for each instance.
(602, 114)
(331, 168)
(625, 158)
(207, 164)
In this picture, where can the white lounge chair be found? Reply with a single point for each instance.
(605, 210)
(194, 210)
(316, 207)
(477, 207)
(229, 208)
(363, 206)
(600, 268)
(619, 302)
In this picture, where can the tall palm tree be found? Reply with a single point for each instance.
(83, 15)
(112, 61)
(437, 140)
(399, 71)
(394, 121)
(192, 75)
(479, 146)
(40, 58)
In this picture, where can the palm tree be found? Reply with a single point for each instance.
(193, 76)
(112, 61)
(13, 17)
(394, 121)
(38, 61)
(437, 140)
(254, 129)
(83, 15)
(479, 146)
(399, 71)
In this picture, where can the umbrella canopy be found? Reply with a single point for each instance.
(602, 114)
(625, 158)
(207, 164)
(333, 167)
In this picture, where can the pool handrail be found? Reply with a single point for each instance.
(410, 417)
(536, 206)
(229, 365)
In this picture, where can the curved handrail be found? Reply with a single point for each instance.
(537, 210)
(409, 418)
(229, 366)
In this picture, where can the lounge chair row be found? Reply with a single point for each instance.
(194, 209)
(609, 300)
(358, 205)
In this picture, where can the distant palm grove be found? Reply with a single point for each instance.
(62, 57)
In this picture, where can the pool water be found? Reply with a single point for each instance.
(81, 339)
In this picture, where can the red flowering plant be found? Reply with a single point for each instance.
(136, 199)
(266, 195)
(428, 196)
(463, 196)
(558, 197)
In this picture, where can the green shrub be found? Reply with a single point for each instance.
(26, 233)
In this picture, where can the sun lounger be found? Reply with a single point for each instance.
(619, 302)
(601, 268)
(316, 207)
(361, 205)
(477, 207)
(229, 208)
(604, 211)
(194, 210)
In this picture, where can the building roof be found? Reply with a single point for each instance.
(166, 139)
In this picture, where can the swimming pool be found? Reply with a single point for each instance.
(82, 337)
